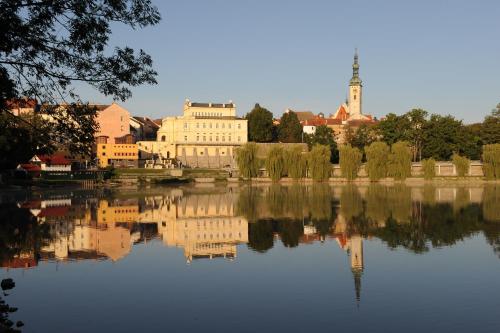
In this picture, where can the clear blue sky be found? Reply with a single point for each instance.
(443, 56)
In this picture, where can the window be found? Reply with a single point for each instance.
(222, 125)
(163, 138)
(216, 138)
(203, 125)
(185, 138)
(223, 138)
(217, 125)
(229, 126)
(185, 125)
(229, 138)
(204, 138)
(103, 147)
(197, 125)
(239, 126)
(197, 138)
(210, 138)
(239, 138)
(121, 128)
(210, 125)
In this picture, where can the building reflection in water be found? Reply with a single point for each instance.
(212, 224)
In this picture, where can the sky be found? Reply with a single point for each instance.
(442, 56)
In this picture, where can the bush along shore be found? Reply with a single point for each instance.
(7, 325)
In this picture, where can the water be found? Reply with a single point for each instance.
(254, 259)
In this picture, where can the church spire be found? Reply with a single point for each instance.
(355, 81)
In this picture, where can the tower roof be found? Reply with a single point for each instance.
(355, 80)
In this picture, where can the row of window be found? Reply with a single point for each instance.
(207, 114)
(125, 154)
(209, 125)
(120, 146)
(204, 138)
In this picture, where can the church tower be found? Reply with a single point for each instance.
(355, 89)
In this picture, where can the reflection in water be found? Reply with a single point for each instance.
(211, 224)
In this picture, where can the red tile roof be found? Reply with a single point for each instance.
(53, 211)
(55, 159)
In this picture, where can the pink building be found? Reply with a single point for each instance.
(113, 121)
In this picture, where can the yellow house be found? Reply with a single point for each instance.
(118, 155)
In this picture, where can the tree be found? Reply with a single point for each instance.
(289, 129)
(393, 128)
(295, 162)
(247, 160)
(319, 163)
(377, 156)
(350, 161)
(462, 164)
(491, 161)
(399, 165)
(48, 46)
(324, 135)
(490, 133)
(429, 168)
(417, 118)
(260, 124)
(275, 163)
(361, 137)
(443, 137)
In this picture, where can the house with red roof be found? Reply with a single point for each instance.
(54, 162)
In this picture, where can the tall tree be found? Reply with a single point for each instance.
(362, 136)
(491, 127)
(289, 129)
(260, 124)
(444, 135)
(47, 46)
(393, 128)
(416, 120)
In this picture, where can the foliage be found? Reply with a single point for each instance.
(350, 161)
(360, 137)
(444, 135)
(429, 168)
(461, 164)
(324, 135)
(319, 163)
(295, 162)
(246, 158)
(47, 46)
(377, 155)
(289, 129)
(400, 158)
(275, 162)
(19, 140)
(490, 131)
(393, 128)
(491, 161)
(260, 124)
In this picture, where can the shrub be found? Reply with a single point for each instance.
(246, 158)
(399, 165)
(350, 161)
(319, 162)
(295, 162)
(275, 163)
(461, 165)
(491, 161)
(377, 155)
(429, 168)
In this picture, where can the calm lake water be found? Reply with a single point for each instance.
(254, 259)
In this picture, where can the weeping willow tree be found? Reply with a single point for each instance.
(491, 161)
(275, 163)
(350, 161)
(400, 158)
(246, 158)
(295, 162)
(377, 155)
(429, 168)
(319, 162)
(461, 164)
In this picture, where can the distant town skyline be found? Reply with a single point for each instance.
(439, 56)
